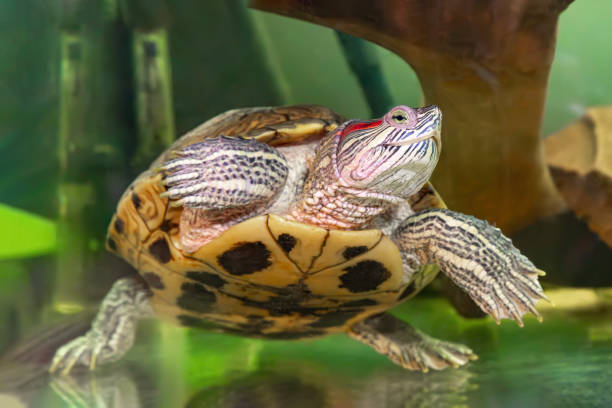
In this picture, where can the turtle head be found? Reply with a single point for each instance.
(389, 157)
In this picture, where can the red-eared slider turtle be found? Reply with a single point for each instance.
(280, 223)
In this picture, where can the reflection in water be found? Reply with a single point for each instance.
(31, 386)
(271, 389)
(298, 386)
(565, 361)
(395, 389)
(263, 389)
(95, 390)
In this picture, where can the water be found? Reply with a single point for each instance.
(565, 361)
(91, 91)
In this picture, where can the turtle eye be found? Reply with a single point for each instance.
(399, 116)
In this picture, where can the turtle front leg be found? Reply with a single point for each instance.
(112, 331)
(477, 257)
(409, 347)
(220, 182)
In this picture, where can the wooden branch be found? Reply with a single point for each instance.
(486, 65)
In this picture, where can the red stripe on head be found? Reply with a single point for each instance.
(359, 126)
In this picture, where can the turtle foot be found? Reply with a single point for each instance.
(223, 173)
(112, 332)
(87, 350)
(409, 347)
(430, 353)
(478, 258)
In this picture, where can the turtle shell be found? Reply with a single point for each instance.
(267, 276)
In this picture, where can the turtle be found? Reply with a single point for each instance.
(291, 223)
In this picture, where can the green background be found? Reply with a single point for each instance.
(223, 56)
(239, 58)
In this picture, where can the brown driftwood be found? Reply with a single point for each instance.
(486, 64)
(580, 160)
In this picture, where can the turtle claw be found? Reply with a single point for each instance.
(221, 173)
(437, 354)
(77, 352)
(508, 302)
(431, 354)
(112, 332)
(409, 347)
(94, 356)
(88, 351)
(478, 258)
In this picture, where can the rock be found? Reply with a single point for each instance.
(580, 160)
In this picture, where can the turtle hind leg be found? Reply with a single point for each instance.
(407, 346)
(112, 331)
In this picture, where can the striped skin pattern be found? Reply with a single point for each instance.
(407, 346)
(267, 275)
(220, 182)
(366, 168)
(117, 330)
(396, 158)
(477, 257)
(225, 172)
(323, 201)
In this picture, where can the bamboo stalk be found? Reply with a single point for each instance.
(152, 77)
(74, 195)
(153, 80)
(90, 159)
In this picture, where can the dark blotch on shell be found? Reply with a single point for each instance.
(168, 226)
(206, 278)
(190, 321)
(119, 225)
(335, 319)
(409, 290)
(290, 299)
(360, 303)
(351, 252)
(297, 291)
(136, 201)
(281, 306)
(160, 250)
(111, 244)
(196, 298)
(255, 325)
(287, 242)
(294, 335)
(153, 280)
(245, 258)
(364, 276)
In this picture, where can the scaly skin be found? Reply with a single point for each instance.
(357, 172)
(365, 171)
(325, 202)
(478, 258)
(409, 347)
(112, 332)
(360, 176)
(220, 182)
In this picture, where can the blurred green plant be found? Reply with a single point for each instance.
(362, 58)
(25, 234)
(152, 76)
